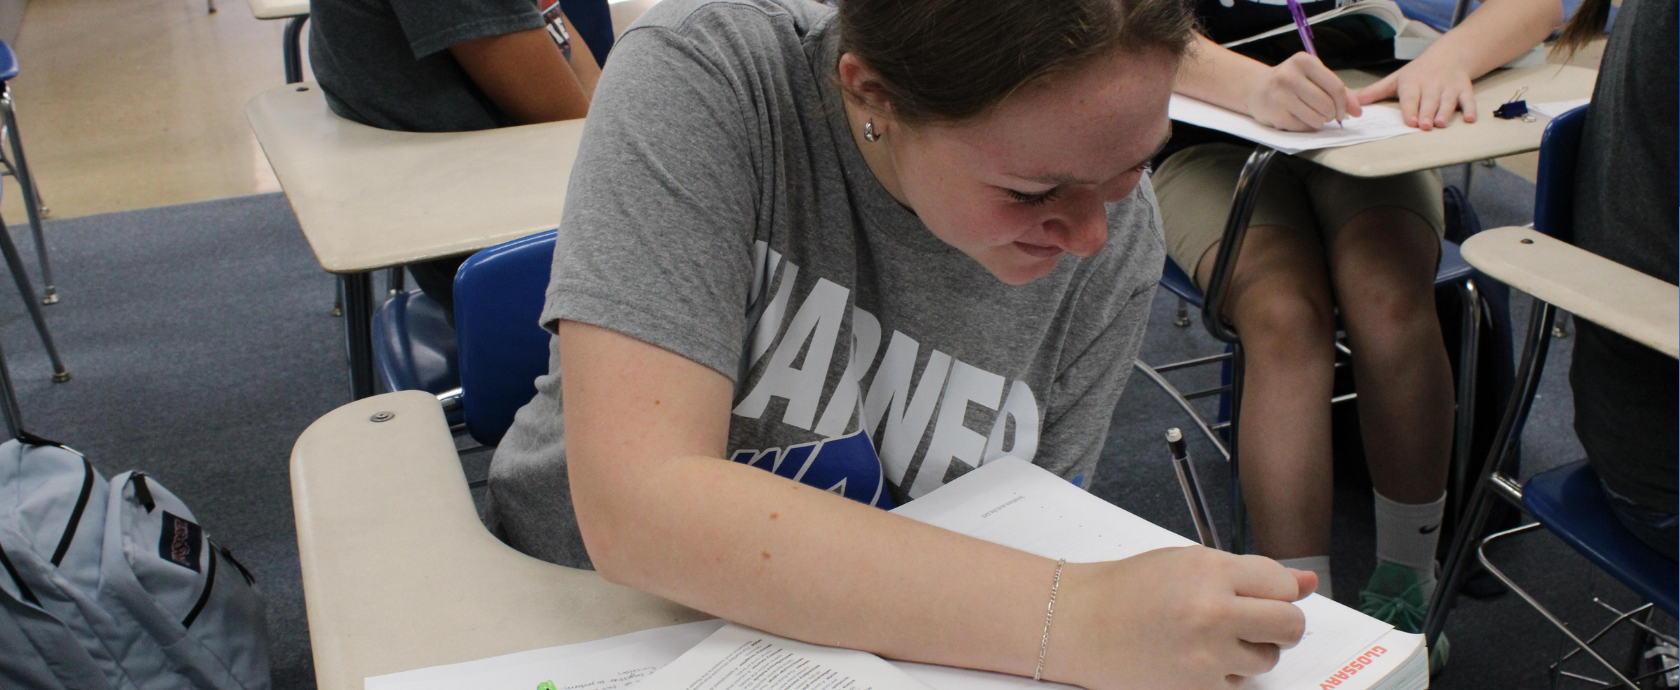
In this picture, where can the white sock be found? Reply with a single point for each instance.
(1407, 533)
(1317, 564)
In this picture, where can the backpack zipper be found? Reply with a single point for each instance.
(209, 584)
(75, 515)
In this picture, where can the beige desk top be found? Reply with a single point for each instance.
(1587, 285)
(370, 198)
(399, 574)
(278, 9)
(1488, 137)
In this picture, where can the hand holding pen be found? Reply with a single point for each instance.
(1305, 29)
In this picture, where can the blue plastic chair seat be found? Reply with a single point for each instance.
(8, 62)
(1452, 269)
(413, 345)
(1569, 502)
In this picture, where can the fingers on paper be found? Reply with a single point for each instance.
(1262, 578)
(1307, 580)
(1428, 109)
(1253, 659)
(1263, 621)
(1385, 88)
(1467, 103)
(1409, 97)
(1444, 113)
(1320, 90)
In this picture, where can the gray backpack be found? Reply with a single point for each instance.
(113, 585)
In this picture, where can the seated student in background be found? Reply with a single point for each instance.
(449, 66)
(1320, 242)
(1625, 205)
(920, 228)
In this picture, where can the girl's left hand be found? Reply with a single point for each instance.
(1430, 88)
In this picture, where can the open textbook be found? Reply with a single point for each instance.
(1360, 34)
(1007, 501)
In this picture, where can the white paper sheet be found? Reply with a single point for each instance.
(1376, 123)
(1006, 501)
(1019, 505)
(1556, 108)
(741, 658)
(614, 663)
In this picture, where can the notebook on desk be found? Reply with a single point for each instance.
(1006, 501)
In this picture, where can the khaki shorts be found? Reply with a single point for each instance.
(1194, 189)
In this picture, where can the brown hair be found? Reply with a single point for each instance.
(951, 60)
(1586, 25)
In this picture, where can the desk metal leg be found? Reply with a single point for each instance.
(291, 51)
(1484, 493)
(358, 331)
(1469, 356)
(31, 196)
(15, 263)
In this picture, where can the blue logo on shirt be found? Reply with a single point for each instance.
(846, 466)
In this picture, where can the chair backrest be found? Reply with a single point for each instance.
(594, 24)
(501, 349)
(1554, 191)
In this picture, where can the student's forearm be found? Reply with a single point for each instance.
(1496, 33)
(811, 565)
(1212, 73)
(525, 74)
(583, 62)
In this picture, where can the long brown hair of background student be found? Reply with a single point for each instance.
(1587, 25)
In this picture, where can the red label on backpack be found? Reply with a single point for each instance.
(181, 542)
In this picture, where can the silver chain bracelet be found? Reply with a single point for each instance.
(1049, 613)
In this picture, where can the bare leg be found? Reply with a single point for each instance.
(1281, 305)
(1383, 267)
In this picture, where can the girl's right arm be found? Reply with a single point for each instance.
(661, 511)
(1299, 95)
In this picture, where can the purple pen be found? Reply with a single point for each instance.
(1305, 29)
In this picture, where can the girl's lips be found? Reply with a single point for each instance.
(1039, 251)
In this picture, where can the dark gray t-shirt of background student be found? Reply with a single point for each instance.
(720, 209)
(386, 63)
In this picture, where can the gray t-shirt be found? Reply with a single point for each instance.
(720, 209)
(386, 63)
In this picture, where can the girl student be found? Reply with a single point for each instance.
(1321, 244)
(819, 262)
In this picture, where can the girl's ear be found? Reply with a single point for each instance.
(862, 86)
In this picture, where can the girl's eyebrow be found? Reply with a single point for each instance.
(1063, 179)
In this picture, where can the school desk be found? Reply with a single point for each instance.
(369, 198)
(398, 572)
(295, 12)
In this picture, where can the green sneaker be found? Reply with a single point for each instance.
(1397, 596)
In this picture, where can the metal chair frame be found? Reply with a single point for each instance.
(15, 164)
(1495, 484)
(1236, 228)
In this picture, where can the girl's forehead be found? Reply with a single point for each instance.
(1079, 124)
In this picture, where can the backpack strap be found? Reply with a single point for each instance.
(23, 587)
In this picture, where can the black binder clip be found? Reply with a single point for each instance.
(1516, 108)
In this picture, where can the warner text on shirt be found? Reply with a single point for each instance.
(897, 421)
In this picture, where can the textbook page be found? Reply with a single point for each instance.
(1386, 10)
(1377, 122)
(1014, 503)
(614, 663)
(741, 658)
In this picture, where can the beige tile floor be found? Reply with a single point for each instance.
(127, 104)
